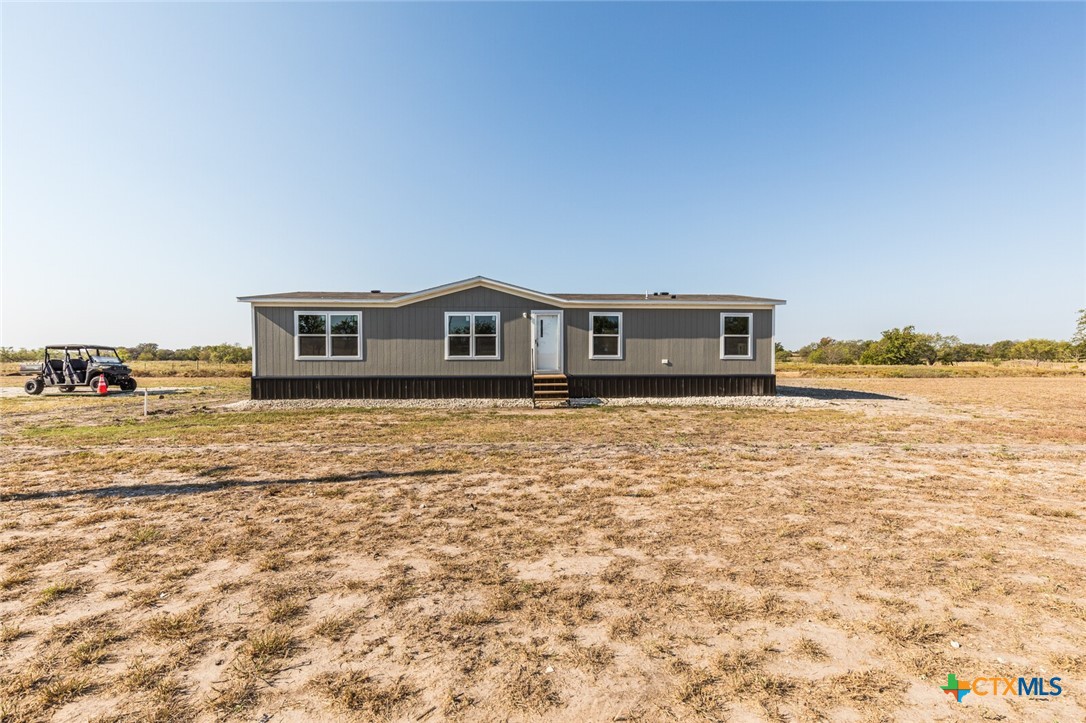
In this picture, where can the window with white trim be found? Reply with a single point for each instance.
(605, 335)
(472, 334)
(327, 335)
(736, 332)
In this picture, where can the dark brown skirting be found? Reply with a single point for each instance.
(673, 386)
(507, 387)
(392, 387)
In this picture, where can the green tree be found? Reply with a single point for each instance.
(1078, 339)
(11, 354)
(805, 351)
(228, 353)
(144, 351)
(833, 351)
(840, 352)
(971, 352)
(900, 346)
(1002, 349)
(944, 349)
(1039, 350)
(781, 354)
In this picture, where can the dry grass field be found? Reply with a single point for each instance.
(830, 562)
(1016, 368)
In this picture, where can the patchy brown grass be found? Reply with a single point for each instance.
(357, 691)
(266, 650)
(63, 690)
(335, 627)
(636, 563)
(169, 627)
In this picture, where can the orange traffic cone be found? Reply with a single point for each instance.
(103, 386)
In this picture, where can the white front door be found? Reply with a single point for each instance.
(547, 341)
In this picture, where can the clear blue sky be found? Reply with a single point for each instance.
(875, 164)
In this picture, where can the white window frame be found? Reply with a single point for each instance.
(472, 356)
(749, 335)
(592, 335)
(327, 314)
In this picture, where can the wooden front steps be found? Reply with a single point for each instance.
(550, 388)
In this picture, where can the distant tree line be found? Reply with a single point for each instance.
(215, 354)
(218, 353)
(908, 346)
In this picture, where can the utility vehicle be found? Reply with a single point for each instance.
(67, 366)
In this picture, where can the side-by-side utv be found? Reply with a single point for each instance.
(67, 366)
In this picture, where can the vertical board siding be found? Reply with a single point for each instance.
(410, 341)
(688, 338)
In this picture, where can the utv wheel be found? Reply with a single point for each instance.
(92, 383)
(128, 384)
(67, 389)
(34, 386)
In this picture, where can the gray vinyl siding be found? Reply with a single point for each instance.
(688, 338)
(410, 341)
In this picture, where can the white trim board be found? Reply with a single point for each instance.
(252, 353)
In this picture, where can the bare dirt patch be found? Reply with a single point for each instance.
(634, 562)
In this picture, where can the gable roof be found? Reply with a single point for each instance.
(396, 299)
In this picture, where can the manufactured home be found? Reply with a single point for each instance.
(485, 338)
